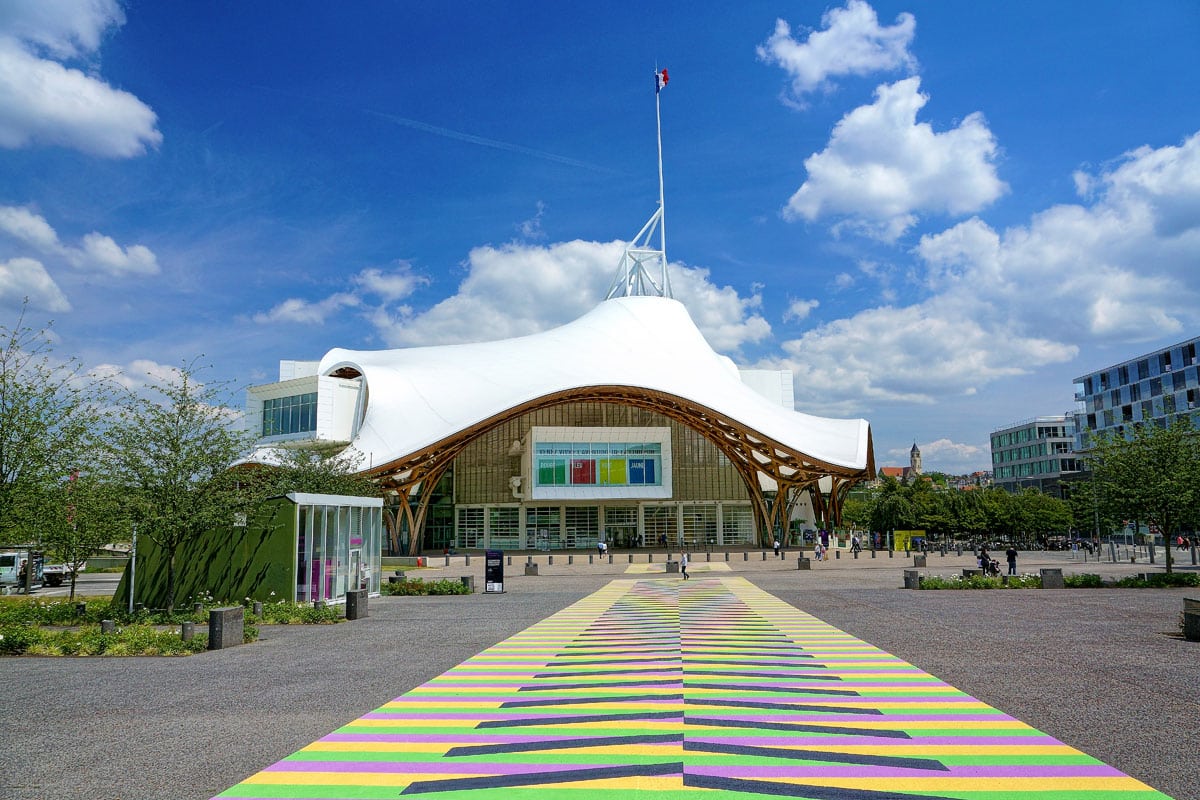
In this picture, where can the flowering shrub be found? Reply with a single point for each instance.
(420, 587)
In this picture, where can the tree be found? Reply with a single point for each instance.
(312, 469)
(170, 451)
(83, 514)
(1153, 476)
(48, 412)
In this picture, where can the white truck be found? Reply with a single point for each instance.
(12, 576)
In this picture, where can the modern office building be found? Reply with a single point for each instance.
(1036, 453)
(1158, 387)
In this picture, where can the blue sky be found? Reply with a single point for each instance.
(936, 214)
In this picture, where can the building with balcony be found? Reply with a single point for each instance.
(1157, 388)
(1035, 454)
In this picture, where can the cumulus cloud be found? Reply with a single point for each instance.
(392, 285)
(295, 310)
(22, 278)
(518, 289)
(882, 168)
(44, 102)
(799, 309)
(851, 43)
(96, 252)
(1000, 304)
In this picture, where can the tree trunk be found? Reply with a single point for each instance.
(171, 583)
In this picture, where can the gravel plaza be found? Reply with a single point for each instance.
(1101, 670)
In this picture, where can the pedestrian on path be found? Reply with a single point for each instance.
(777, 548)
(1011, 555)
(683, 559)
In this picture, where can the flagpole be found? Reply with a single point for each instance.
(662, 207)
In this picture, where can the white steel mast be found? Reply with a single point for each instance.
(635, 274)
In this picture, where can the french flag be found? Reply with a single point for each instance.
(660, 80)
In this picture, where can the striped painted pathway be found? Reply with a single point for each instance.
(656, 688)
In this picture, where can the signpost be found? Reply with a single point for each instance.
(493, 572)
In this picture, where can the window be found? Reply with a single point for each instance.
(284, 415)
(1155, 387)
(1143, 369)
(598, 463)
(1135, 392)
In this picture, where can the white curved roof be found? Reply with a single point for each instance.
(420, 396)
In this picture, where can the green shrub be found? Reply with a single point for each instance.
(981, 582)
(420, 587)
(1084, 581)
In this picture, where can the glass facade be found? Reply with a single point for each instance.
(337, 548)
(1157, 388)
(285, 415)
(1034, 454)
(580, 473)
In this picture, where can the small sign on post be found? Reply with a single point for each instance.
(493, 572)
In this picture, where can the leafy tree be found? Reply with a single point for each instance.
(891, 509)
(312, 469)
(83, 515)
(170, 450)
(48, 409)
(1152, 476)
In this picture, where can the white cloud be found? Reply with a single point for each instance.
(139, 374)
(22, 278)
(297, 310)
(852, 43)
(96, 252)
(43, 102)
(66, 28)
(393, 285)
(882, 168)
(799, 309)
(519, 289)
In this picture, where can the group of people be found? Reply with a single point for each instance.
(991, 566)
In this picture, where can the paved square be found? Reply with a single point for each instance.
(711, 688)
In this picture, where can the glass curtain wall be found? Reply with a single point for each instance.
(337, 548)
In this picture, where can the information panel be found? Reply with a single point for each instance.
(493, 571)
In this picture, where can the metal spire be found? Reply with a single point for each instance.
(640, 261)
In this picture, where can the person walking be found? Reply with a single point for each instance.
(777, 548)
(683, 559)
(1011, 555)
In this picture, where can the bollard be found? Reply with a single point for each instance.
(356, 604)
(610, 558)
(855, 553)
(447, 561)
(872, 554)
(912, 579)
(570, 559)
(631, 558)
(1191, 619)
(187, 631)
(891, 553)
(531, 568)
(510, 561)
(108, 626)
(197, 608)
(258, 608)
(764, 555)
(551, 560)
(708, 556)
(590, 561)
(837, 554)
(1194, 562)
(469, 582)
(727, 554)
(649, 558)
(80, 609)
(226, 627)
(745, 555)
(528, 559)
(919, 561)
(803, 563)
(400, 575)
(1052, 578)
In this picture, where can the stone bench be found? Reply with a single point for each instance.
(226, 627)
(1052, 578)
(1191, 619)
(356, 604)
(912, 579)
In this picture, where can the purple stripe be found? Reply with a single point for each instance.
(867, 771)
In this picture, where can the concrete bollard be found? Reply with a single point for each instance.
(469, 582)
(531, 568)
(631, 558)
(855, 553)
(226, 627)
(1194, 562)
(673, 566)
(872, 554)
(745, 555)
(551, 560)
(528, 559)
(570, 559)
(919, 561)
(258, 608)
(649, 558)
(803, 563)
(610, 558)
(726, 555)
(591, 559)
(356, 604)
(891, 554)
(1052, 578)
(447, 561)
(197, 608)
(837, 554)
(510, 561)
(1191, 619)
(912, 579)
(187, 631)
(108, 626)
(708, 556)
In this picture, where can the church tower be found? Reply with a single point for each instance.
(914, 459)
